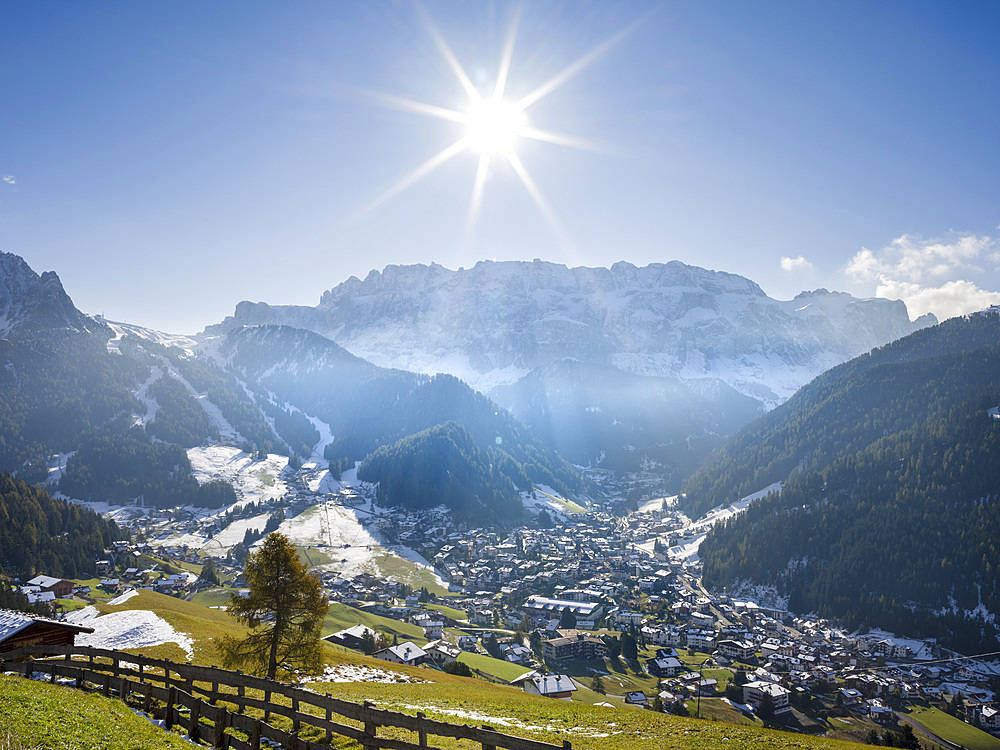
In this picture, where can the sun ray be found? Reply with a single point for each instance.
(411, 105)
(536, 194)
(478, 187)
(449, 56)
(560, 139)
(420, 172)
(574, 69)
(508, 54)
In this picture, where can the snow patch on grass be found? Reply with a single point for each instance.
(233, 534)
(122, 598)
(244, 473)
(358, 673)
(133, 628)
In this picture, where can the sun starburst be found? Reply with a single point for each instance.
(494, 123)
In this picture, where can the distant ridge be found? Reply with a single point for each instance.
(622, 367)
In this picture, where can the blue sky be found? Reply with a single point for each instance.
(171, 159)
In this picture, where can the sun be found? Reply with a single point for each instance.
(493, 124)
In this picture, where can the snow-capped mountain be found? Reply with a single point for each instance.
(31, 303)
(624, 367)
(494, 323)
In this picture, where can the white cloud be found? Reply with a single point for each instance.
(795, 264)
(914, 259)
(9, 179)
(946, 301)
(930, 275)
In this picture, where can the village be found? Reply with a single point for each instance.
(596, 601)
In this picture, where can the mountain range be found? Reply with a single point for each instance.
(627, 369)
(121, 406)
(622, 367)
(887, 462)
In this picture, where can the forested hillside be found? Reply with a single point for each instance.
(121, 467)
(39, 534)
(444, 466)
(368, 407)
(889, 514)
(846, 409)
(54, 391)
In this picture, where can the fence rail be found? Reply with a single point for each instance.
(187, 695)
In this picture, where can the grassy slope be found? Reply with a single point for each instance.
(952, 729)
(589, 727)
(475, 701)
(37, 714)
(342, 616)
(204, 625)
(502, 670)
(454, 614)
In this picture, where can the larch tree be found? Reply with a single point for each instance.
(284, 609)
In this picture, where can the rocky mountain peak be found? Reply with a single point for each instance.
(32, 302)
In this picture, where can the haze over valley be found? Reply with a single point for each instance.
(617, 375)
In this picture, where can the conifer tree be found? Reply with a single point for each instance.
(284, 610)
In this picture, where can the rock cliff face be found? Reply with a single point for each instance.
(494, 323)
(30, 304)
(632, 368)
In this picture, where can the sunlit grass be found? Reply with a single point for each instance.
(455, 699)
(498, 668)
(953, 729)
(340, 617)
(39, 715)
(454, 614)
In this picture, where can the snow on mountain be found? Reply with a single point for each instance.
(31, 303)
(186, 343)
(253, 480)
(493, 323)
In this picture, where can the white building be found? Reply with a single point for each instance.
(405, 653)
(753, 692)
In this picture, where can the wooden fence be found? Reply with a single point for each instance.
(188, 696)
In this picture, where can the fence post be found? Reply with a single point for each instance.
(267, 702)
(168, 720)
(255, 735)
(486, 745)
(295, 715)
(52, 674)
(370, 728)
(567, 745)
(107, 684)
(240, 693)
(195, 715)
(421, 732)
(215, 690)
(329, 717)
(221, 722)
